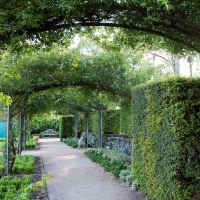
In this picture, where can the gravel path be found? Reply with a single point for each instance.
(72, 176)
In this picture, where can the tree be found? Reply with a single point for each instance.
(176, 64)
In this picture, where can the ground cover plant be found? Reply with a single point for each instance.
(24, 164)
(16, 188)
(110, 160)
(71, 142)
(19, 187)
(127, 176)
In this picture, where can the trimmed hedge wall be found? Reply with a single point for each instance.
(126, 120)
(167, 139)
(117, 121)
(95, 124)
(66, 127)
(111, 121)
(40, 124)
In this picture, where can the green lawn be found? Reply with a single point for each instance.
(2, 143)
(2, 162)
(2, 158)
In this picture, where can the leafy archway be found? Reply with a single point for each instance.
(47, 21)
(39, 71)
(61, 68)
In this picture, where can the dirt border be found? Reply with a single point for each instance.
(37, 175)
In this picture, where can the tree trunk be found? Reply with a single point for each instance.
(190, 65)
(176, 64)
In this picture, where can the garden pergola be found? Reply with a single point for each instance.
(36, 74)
(173, 24)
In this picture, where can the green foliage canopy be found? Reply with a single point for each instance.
(62, 68)
(46, 21)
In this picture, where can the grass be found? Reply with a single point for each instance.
(2, 143)
(2, 158)
(15, 188)
(2, 163)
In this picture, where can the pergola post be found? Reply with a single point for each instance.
(76, 125)
(20, 133)
(101, 128)
(24, 132)
(8, 142)
(28, 127)
(87, 129)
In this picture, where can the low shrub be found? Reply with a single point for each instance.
(24, 164)
(71, 142)
(115, 155)
(31, 144)
(126, 175)
(110, 160)
(37, 136)
(16, 188)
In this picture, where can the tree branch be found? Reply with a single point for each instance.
(92, 85)
(130, 27)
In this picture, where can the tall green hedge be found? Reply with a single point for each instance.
(111, 121)
(118, 121)
(40, 123)
(167, 139)
(126, 120)
(95, 124)
(66, 127)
